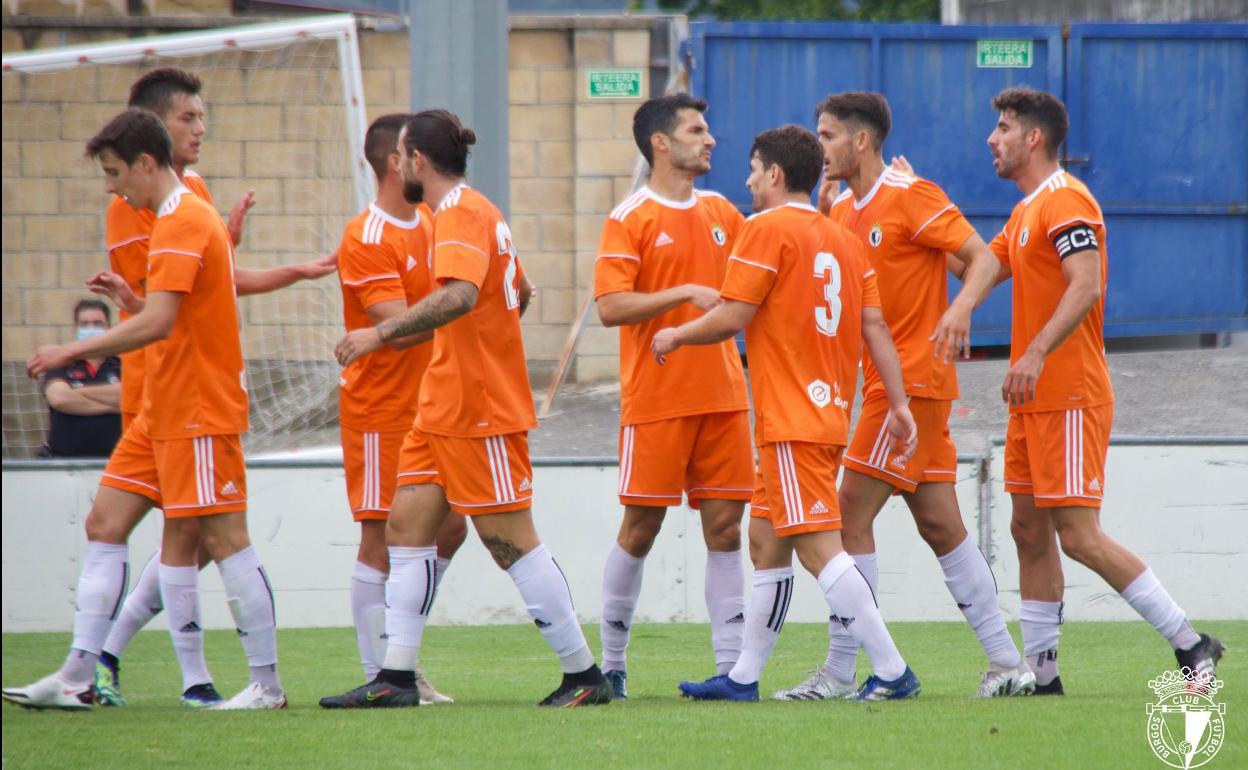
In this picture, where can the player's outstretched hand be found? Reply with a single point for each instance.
(238, 215)
(903, 432)
(1020, 381)
(115, 288)
(664, 342)
(901, 164)
(358, 343)
(47, 358)
(318, 268)
(952, 335)
(702, 297)
(828, 190)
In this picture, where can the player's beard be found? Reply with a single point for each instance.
(691, 162)
(413, 191)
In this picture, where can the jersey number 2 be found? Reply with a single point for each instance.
(505, 246)
(828, 316)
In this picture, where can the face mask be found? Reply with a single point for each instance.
(87, 332)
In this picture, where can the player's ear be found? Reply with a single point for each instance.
(659, 141)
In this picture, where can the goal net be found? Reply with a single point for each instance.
(285, 117)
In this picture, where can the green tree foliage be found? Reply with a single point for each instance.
(808, 10)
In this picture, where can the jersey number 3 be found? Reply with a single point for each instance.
(505, 247)
(828, 315)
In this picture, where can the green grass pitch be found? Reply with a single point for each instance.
(497, 673)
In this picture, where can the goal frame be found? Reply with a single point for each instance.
(340, 28)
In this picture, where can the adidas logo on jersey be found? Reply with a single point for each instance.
(1095, 485)
(663, 240)
(229, 488)
(526, 485)
(818, 509)
(411, 262)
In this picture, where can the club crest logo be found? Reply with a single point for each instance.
(1022, 237)
(719, 235)
(876, 236)
(1185, 726)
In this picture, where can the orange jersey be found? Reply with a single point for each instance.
(650, 244)
(907, 225)
(126, 233)
(810, 281)
(478, 381)
(1060, 218)
(196, 382)
(381, 259)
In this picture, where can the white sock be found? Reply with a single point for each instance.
(101, 589)
(770, 592)
(179, 592)
(842, 659)
(368, 613)
(1040, 623)
(409, 597)
(970, 581)
(443, 565)
(549, 600)
(1149, 597)
(725, 604)
(143, 604)
(621, 585)
(250, 597)
(850, 598)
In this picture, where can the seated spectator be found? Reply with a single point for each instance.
(84, 398)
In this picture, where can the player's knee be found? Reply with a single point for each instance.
(725, 537)
(452, 535)
(1083, 547)
(941, 535)
(105, 528)
(1029, 537)
(637, 536)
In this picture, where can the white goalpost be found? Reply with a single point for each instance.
(286, 117)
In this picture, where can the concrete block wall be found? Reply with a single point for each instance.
(572, 160)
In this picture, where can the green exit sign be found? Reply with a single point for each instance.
(614, 84)
(1003, 53)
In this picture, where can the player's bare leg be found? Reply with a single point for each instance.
(1041, 585)
(101, 587)
(621, 587)
(725, 579)
(1082, 539)
(250, 597)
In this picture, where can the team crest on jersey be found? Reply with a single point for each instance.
(1022, 237)
(876, 236)
(719, 235)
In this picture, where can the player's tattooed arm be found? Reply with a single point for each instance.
(453, 300)
(505, 552)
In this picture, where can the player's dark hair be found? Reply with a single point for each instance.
(131, 134)
(381, 140)
(441, 138)
(660, 115)
(156, 89)
(796, 151)
(93, 304)
(1036, 109)
(860, 110)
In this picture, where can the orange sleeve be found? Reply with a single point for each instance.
(1070, 220)
(177, 253)
(459, 252)
(933, 219)
(619, 259)
(870, 290)
(369, 271)
(1000, 247)
(754, 264)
